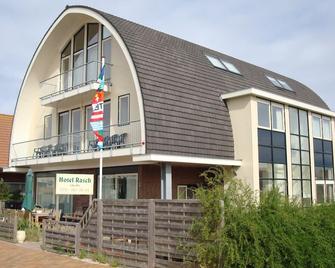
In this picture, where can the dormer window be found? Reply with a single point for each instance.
(279, 83)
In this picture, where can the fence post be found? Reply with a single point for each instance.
(77, 240)
(99, 225)
(15, 227)
(151, 234)
(44, 230)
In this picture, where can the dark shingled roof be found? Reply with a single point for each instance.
(181, 91)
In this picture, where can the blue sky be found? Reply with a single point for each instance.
(292, 37)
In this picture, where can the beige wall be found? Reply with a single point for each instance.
(243, 115)
(29, 115)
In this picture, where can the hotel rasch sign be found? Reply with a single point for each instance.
(74, 184)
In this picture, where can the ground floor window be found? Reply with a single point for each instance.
(45, 192)
(120, 186)
(46, 196)
(186, 191)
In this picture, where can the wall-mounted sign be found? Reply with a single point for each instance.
(74, 184)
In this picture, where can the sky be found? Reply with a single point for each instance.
(295, 38)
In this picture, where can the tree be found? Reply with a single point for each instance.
(4, 190)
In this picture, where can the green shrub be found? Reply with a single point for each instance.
(100, 257)
(266, 232)
(83, 254)
(22, 224)
(33, 233)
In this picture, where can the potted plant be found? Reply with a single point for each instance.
(22, 225)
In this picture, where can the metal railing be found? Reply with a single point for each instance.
(73, 79)
(115, 137)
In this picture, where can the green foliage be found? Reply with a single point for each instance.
(114, 263)
(266, 232)
(22, 224)
(83, 254)
(33, 233)
(100, 257)
(4, 190)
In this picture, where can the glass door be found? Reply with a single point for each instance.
(63, 131)
(76, 128)
(45, 192)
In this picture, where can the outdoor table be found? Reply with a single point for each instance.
(40, 215)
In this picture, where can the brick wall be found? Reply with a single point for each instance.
(149, 179)
(6, 122)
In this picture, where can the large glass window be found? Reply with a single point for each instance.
(119, 186)
(124, 109)
(107, 51)
(263, 114)
(65, 67)
(63, 128)
(271, 146)
(78, 58)
(272, 160)
(92, 51)
(300, 155)
(76, 128)
(45, 192)
(323, 158)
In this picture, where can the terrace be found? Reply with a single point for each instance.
(119, 140)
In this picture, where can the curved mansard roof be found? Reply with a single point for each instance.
(181, 91)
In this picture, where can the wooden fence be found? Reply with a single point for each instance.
(8, 225)
(138, 233)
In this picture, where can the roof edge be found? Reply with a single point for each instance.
(277, 98)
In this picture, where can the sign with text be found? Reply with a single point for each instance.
(74, 184)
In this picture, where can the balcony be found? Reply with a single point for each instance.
(69, 84)
(119, 140)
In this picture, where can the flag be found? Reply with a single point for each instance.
(97, 117)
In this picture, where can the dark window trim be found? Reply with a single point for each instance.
(118, 110)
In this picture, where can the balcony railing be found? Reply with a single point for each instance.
(78, 77)
(115, 137)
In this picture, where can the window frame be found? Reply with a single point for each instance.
(119, 109)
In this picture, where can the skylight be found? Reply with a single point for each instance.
(216, 62)
(279, 83)
(220, 63)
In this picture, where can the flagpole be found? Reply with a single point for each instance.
(100, 175)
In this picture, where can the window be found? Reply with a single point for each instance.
(326, 128)
(47, 126)
(263, 114)
(186, 191)
(317, 126)
(277, 117)
(300, 155)
(78, 58)
(279, 83)
(119, 186)
(216, 62)
(45, 192)
(267, 110)
(64, 128)
(92, 51)
(76, 128)
(65, 67)
(230, 67)
(221, 64)
(107, 52)
(272, 160)
(323, 159)
(124, 109)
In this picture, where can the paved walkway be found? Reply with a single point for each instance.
(31, 256)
